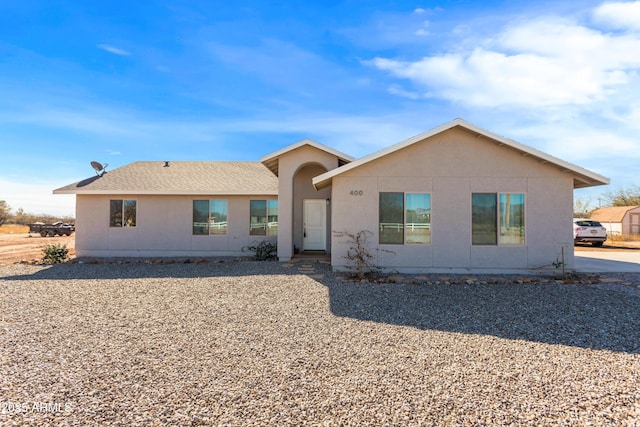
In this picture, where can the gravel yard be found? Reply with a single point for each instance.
(248, 343)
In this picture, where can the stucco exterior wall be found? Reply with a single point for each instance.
(163, 228)
(451, 166)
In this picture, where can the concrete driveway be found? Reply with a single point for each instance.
(608, 261)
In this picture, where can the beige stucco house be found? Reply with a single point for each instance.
(619, 219)
(457, 198)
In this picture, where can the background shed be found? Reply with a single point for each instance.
(619, 219)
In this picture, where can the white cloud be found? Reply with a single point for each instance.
(576, 141)
(419, 11)
(541, 63)
(491, 79)
(620, 15)
(397, 90)
(114, 50)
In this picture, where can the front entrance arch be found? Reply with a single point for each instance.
(311, 210)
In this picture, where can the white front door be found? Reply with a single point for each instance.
(315, 225)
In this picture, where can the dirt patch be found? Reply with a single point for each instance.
(22, 247)
(612, 246)
(14, 229)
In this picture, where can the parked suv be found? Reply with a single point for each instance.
(588, 231)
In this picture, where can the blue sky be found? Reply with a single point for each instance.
(120, 81)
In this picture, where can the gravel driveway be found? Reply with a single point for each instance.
(248, 343)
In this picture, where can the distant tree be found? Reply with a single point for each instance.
(5, 211)
(21, 217)
(582, 208)
(624, 196)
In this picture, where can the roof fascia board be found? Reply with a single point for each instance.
(168, 193)
(323, 180)
(302, 143)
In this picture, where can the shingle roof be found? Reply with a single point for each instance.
(152, 177)
(612, 213)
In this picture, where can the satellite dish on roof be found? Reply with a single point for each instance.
(99, 168)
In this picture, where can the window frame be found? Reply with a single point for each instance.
(403, 210)
(499, 231)
(119, 218)
(268, 226)
(502, 238)
(207, 224)
(406, 223)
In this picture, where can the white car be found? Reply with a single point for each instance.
(588, 231)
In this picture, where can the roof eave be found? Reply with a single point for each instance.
(168, 193)
(583, 177)
(271, 160)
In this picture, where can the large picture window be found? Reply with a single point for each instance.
(122, 213)
(209, 217)
(263, 217)
(404, 218)
(497, 219)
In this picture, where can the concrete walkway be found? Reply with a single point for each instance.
(608, 262)
(306, 261)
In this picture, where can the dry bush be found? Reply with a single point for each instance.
(617, 237)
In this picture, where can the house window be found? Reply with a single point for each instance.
(122, 213)
(483, 219)
(497, 219)
(272, 217)
(404, 218)
(418, 218)
(264, 217)
(511, 219)
(209, 217)
(391, 214)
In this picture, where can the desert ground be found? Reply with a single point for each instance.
(233, 342)
(16, 244)
(239, 342)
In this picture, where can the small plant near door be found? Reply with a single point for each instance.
(263, 251)
(358, 255)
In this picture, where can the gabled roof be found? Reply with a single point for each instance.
(611, 213)
(582, 177)
(271, 160)
(188, 178)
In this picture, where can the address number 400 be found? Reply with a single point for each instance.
(356, 192)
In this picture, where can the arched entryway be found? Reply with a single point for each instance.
(311, 211)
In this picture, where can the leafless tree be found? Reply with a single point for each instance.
(629, 196)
